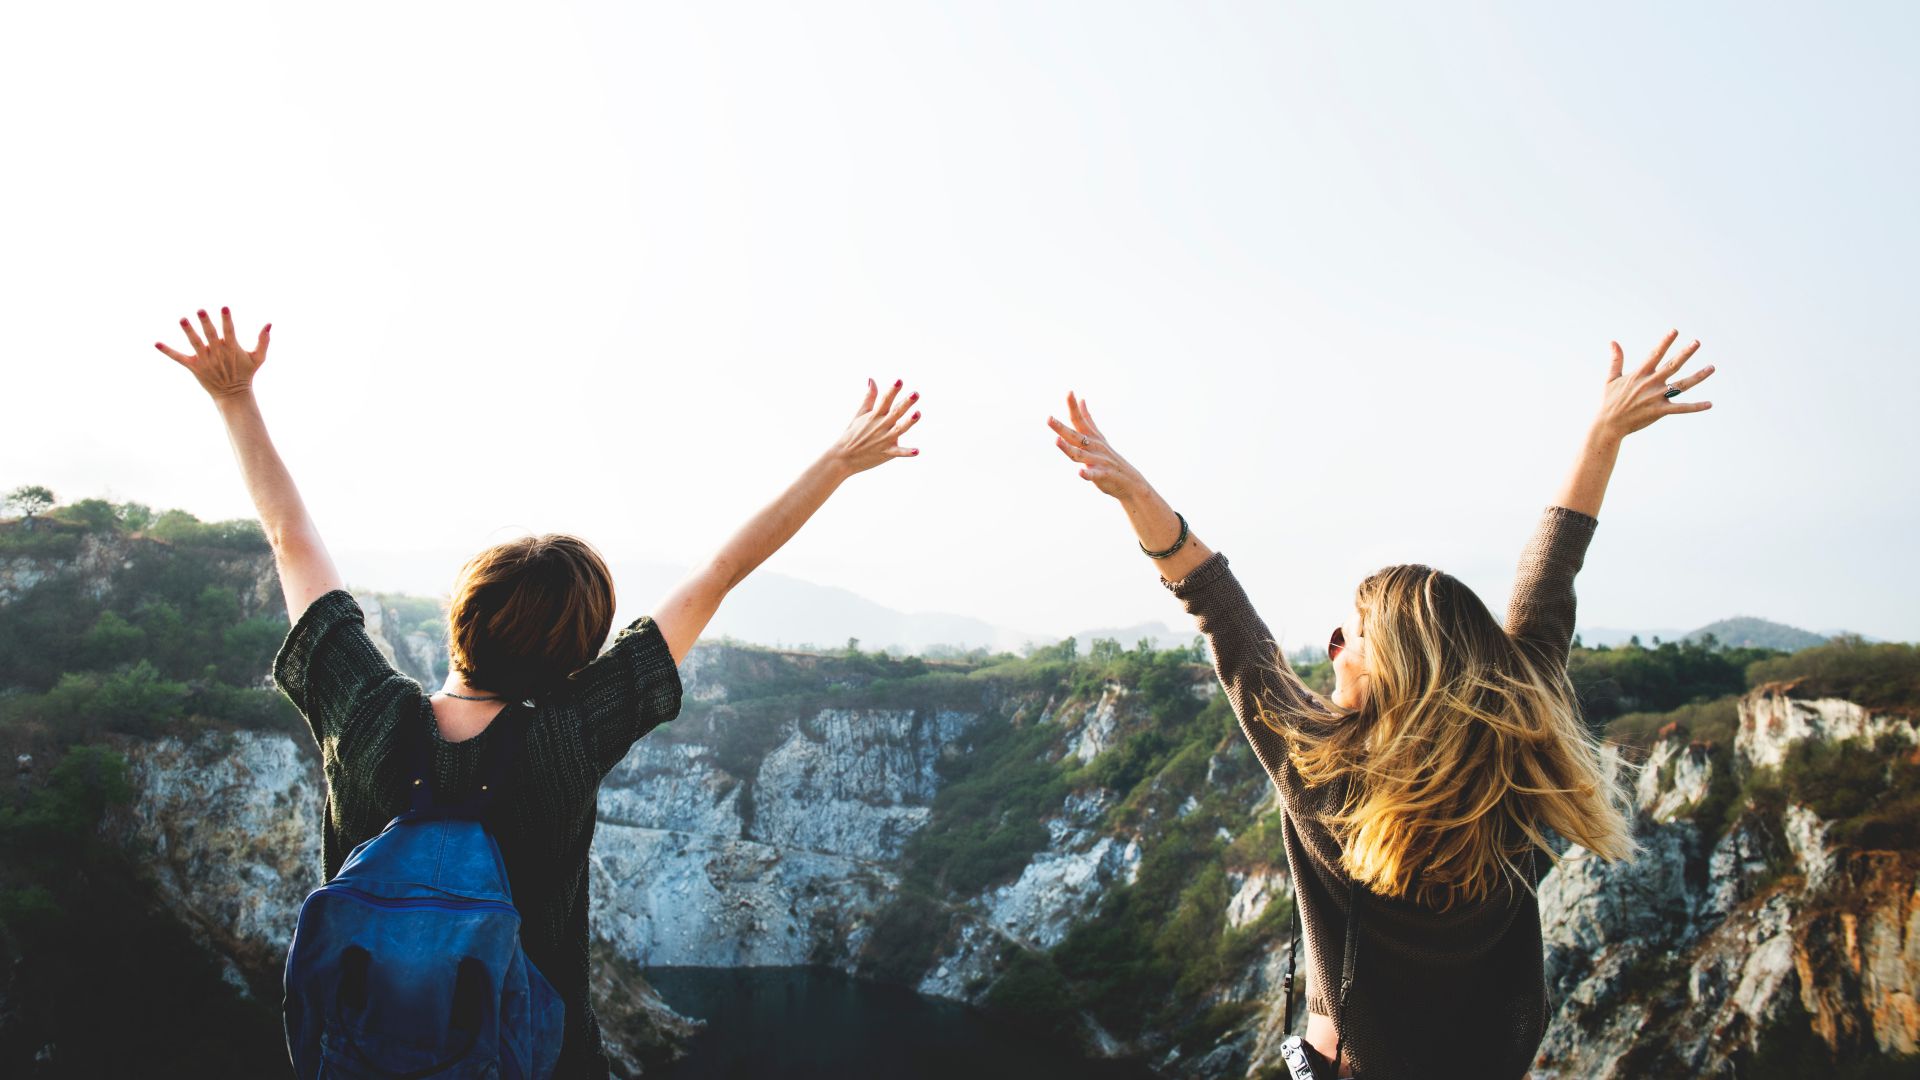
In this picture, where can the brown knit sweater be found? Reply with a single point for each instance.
(1460, 993)
(359, 707)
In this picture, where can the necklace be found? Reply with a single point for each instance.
(469, 697)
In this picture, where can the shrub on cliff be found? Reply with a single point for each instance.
(1883, 677)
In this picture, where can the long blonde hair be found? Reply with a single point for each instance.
(1468, 746)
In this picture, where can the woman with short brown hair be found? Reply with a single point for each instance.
(527, 620)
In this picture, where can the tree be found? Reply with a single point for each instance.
(98, 515)
(135, 516)
(29, 500)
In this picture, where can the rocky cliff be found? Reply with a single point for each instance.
(790, 847)
(1098, 852)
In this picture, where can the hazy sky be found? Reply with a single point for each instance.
(1339, 278)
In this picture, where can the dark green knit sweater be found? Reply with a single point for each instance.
(359, 707)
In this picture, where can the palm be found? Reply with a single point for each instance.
(873, 436)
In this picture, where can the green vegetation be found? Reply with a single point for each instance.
(1628, 679)
(158, 640)
(85, 948)
(1883, 677)
(164, 642)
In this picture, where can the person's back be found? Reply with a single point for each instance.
(526, 622)
(1420, 797)
(363, 713)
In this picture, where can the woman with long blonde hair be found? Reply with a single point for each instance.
(1420, 799)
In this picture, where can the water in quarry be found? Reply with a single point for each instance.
(803, 1023)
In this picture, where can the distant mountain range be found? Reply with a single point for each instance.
(1741, 631)
(776, 610)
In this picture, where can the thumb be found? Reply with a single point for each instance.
(260, 350)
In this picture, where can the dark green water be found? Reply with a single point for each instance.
(803, 1023)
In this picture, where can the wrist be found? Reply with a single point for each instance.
(233, 399)
(1604, 436)
(834, 465)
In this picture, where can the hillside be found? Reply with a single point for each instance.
(1079, 841)
(1746, 632)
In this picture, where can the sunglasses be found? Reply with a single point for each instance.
(1337, 642)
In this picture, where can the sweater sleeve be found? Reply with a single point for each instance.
(1255, 675)
(335, 675)
(626, 692)
(1541, 609)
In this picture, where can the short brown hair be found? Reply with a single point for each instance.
(528, 613)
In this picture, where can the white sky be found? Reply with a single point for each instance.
(1339, 278)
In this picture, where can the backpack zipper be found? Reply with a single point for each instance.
(419, 901)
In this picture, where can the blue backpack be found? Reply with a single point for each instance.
(408, 963)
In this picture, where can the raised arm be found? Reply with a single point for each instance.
(1541, 610)
(872, 438)
(225, 371)
(1252, 670)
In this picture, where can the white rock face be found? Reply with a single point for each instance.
(1095, 728)
(1772, 721)
(1056, 888)
(1674, 780)
(232, 822)
(856, 783)
(679, 899)
(1807, 839)
(1252, 893)
(675, 787)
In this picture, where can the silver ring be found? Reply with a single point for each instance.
(1084, 441)
(1671, 391)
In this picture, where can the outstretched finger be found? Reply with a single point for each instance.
(1687, 406)
(206, 324)
(886, 404)
(900, 409)
(1691, 381)
(1077, 409)
(1092, 425)
(226, 326)
(903, 451)
(193, 337)
(260, 349)
(1653, 358)
(906, 425)
(1074, 451)
(183, 361)
(1619, 361)
(866, 405)
(1666, 370)
(1077, 438)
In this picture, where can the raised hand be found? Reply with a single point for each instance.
(223, 368)
(1158, 529)
(1100, 464)
(1634, 401)
(873, 436)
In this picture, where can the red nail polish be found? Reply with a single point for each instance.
(224, 311)
(916, 415)
(203, 313)
(916, 453)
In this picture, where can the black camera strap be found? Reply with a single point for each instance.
(1349, 951)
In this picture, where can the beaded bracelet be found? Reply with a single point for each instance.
(1177, 544)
